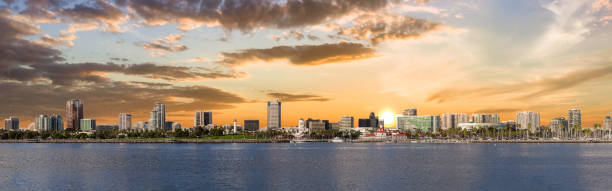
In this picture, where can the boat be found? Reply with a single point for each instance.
(297, 141)
(336, 140)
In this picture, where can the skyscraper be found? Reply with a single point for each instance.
(125, 121)
(371, 121)
(57, 124)
(157, 119)
(74, 114)
(202, 118)
(42, 123)
(451, 120)
(346, 122)
(12, 123)
(274, 114)
(607, 123)
(574, 118)
(485, 118)
(528, 120)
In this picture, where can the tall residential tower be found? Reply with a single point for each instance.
(74, 114)
(125, 121)
(574, 117)
(274, 115)
(157, 119)
(202, 118)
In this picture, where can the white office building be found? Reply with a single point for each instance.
(528, 120)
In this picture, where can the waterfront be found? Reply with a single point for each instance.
(308, 166)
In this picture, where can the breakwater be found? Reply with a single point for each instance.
(146, 141)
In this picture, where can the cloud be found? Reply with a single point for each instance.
(246, 15)
(302, 55)
(601, 4)
(169, 48)
(571, 25)
(294, 35)
(525, 90)
(52, 41)
(68, 74)
(378, 28)
(14, 29)
(109, 98)
(119, 59)
(287, 97)
(167, 43)
(107, 15)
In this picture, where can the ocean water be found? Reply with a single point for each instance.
(308, 166)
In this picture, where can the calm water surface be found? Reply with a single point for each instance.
(312, 166)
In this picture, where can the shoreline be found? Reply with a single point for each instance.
(203, 141)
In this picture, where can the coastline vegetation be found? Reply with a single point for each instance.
(490, 133)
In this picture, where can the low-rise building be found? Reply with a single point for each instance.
(474, 126)
(251, 125)
(88, 125)
(106, 127)
(423, 123)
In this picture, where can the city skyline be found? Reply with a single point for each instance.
(349, 59)
(408, 119)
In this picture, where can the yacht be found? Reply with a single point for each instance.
(336, 140)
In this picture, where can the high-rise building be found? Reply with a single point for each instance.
(423, 123)
(410, 112)
(485, 118)
(371, 121)
(74, 114)
(274, 114)
(528, 120)
(125, 121)
(42, 123)
(301, 124)
(607, 123)
(251, 125)
(451, 120)
(157, 119)
(12, 123)
(202, 118)
(88, 125)
(346, 122)
(574, 118)
(558, 124)
(57, 124)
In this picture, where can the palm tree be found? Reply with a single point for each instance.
(576, 130)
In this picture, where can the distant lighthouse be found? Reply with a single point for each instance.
(235, 130)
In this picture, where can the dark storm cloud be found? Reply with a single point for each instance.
(287, 97)
(302, 55)
(527, 90)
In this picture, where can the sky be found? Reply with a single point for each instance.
(322, 58)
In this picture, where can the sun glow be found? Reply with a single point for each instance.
(388, 117)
